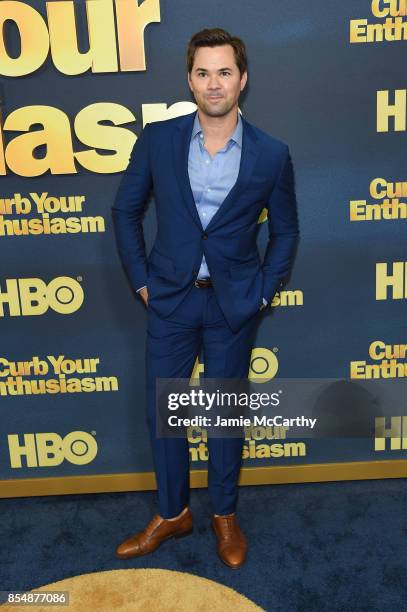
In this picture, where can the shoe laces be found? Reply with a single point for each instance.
(228, 525)
(153, 524)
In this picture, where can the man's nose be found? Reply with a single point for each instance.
(213, 82)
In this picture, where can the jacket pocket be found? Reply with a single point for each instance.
(245, 269)
(160, 264)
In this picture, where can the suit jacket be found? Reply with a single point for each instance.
(159, 161)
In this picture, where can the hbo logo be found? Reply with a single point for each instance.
(31, 296)
(49, 449)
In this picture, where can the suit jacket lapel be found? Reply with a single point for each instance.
(180, 147)
(247, 161)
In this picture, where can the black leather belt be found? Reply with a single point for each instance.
(203, 283)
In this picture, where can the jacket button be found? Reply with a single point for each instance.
(205, 236)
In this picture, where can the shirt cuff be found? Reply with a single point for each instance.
(143, 287)
(265, 302)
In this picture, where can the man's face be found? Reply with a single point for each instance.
(215, 80)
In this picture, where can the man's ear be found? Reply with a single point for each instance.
(243, 80)
(189, 81)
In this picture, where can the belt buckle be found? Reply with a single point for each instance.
(202, 283)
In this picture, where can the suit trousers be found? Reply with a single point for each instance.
(173, 344)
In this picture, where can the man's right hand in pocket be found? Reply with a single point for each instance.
(143, 293)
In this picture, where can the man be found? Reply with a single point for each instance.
(203, 283)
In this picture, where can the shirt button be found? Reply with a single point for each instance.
(207, 161)
(205, 236)
(204, 214)
(208, 190)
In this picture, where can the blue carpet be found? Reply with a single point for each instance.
(312, 547)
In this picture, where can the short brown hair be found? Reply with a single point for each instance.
(216, 37)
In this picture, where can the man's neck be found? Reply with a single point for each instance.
(218, 128)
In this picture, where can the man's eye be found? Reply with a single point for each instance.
(225, 72)
(201, 74)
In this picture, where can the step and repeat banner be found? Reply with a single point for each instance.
(79, 81)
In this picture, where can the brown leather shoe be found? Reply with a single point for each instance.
(232, 543)
(157, 531)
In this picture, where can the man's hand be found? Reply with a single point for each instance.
(143, 293)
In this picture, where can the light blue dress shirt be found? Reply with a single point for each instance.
(212, 178)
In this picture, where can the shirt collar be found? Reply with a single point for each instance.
(236, 136)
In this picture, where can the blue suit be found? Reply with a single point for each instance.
(183, 318)
(160, 159)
